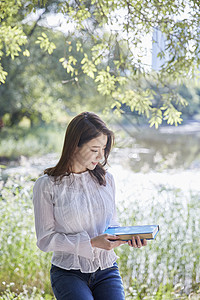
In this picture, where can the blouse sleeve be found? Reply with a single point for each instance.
(47, 238)
(114, 222)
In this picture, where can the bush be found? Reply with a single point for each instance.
(15, 142)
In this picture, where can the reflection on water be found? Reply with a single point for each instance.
(168, 148)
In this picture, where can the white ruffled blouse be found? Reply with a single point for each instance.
(71, 212)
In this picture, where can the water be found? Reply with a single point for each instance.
(168, 156)
(167, 148)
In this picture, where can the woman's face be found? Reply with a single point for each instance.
(89, 154)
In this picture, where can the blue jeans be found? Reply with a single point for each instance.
(74, 285)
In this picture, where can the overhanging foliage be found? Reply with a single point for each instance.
(116, 30)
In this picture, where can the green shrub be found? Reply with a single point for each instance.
(15, 142)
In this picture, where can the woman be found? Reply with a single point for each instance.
(74, 203)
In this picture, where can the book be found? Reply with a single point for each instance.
(126, 233)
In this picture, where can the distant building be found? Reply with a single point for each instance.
(158, 45)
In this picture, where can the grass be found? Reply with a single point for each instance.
(22, 264)
(168, 268)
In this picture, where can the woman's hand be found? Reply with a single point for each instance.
(136, 242)
(106, 241)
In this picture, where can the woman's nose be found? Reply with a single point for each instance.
(100, 154)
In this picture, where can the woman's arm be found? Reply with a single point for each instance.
(47, 238)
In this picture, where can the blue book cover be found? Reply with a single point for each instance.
(126, 233)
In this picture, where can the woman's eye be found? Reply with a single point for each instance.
(97, 150)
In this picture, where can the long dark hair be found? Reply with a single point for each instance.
(83, 128)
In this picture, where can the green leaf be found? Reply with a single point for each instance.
(62, 59)
(156, 118)
(3, 75)
(44, 35)
(26, 53)
(45, 44)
